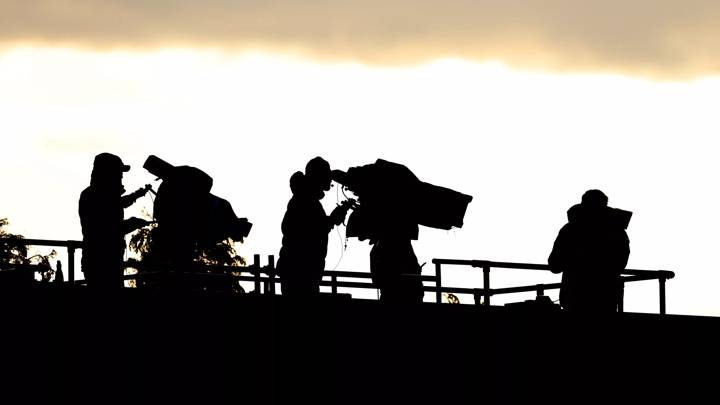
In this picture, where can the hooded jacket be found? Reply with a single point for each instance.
(591, 251)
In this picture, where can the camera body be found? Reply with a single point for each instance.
(185, 205)
(393, 202)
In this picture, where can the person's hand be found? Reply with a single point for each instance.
(140, 192)
(351, 203)
(337, 216)
(143, 190)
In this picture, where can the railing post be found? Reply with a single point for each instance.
(661, 281)
(477, 297)
(59, 278)
(271, 274)
(438, 284)
(486, 284)
(333, 283)
(256, 268)
(71, 264)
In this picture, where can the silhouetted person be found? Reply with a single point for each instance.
(179, 211)
(591, 251)
(393, 203)
(103, 224)
(189, 218)
(395, 270)
(305, 229)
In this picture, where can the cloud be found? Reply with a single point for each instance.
(662, 38)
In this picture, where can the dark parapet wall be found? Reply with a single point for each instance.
(141, 347)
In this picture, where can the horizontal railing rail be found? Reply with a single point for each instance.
(70, 245)
(265, 278)
(627, 275)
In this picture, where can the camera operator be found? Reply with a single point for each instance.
(395, 269)
(393, 203)
(591, 251)
(103, 224)
(305, 229)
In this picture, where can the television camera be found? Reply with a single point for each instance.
(187, 213)
(393, 202)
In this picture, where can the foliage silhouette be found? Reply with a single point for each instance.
(221, 253)
(12, 252)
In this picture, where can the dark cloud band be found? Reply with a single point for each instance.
(665, 38)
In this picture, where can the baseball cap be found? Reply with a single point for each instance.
(110, 162)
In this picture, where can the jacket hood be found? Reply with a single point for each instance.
(609, 216)
(300, 188)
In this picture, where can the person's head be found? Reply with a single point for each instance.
(317, 174)
(594, 199)
(297, 181)
(108, 168)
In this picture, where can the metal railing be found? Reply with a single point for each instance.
(265, 278)
(486, 292)
(70, 245)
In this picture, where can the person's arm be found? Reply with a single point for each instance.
(623, 250)
(129, 199)
(557, 261)
(94, 216)
(133, 224)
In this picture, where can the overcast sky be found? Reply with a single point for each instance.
(523, 105)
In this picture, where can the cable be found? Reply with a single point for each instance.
(152, 195)
(342, 249)
(343, 245)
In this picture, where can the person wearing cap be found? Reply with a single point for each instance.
(591, 251)
(305, 229)
(103, 225)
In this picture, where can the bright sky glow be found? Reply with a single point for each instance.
(526, 145)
